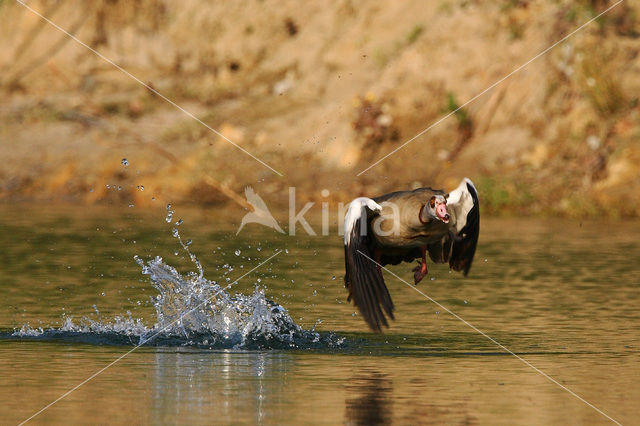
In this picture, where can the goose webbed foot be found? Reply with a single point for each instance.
(419, 272)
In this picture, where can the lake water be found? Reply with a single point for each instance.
(562, 294)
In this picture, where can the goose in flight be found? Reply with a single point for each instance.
(401, 227)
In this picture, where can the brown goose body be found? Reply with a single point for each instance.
(401, 227)
(411, 231)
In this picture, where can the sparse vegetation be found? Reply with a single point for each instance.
(464, 121)
(599, 84)
(558, 137)
(415, 33)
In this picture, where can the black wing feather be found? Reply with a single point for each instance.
(364, 281)
(464, 246)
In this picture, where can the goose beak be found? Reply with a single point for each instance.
(442, 213)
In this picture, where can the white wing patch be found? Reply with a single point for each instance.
(461, 202)
(355, 212)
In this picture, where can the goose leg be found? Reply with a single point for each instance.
(421, 270)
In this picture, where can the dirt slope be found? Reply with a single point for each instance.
(319, 92)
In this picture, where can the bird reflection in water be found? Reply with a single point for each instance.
(372, 402)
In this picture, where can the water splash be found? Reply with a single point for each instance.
(192, 310)
(202, 312)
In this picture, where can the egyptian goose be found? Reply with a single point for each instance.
(400, 227)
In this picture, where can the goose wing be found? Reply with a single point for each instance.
(463, 202)
(363, 278)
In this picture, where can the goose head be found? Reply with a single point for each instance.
(434, 209)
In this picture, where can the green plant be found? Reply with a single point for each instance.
(415, 32)
(599, 85)
(464, 121)
(493, 195)
(498, 194)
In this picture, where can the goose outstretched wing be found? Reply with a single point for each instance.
(463, 202)
(363, 277)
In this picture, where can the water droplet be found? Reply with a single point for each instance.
(465, 302)
(179, 222)
(237, 252)
(333, 278)
(286, 251)
(259, 248)
(433, 278)
(124, 162)
(188, 243)
(169, 217)
(140, 187)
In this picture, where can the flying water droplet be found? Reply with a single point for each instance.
(124, 162)
(238, 252)
(169, 217)
(179, 222)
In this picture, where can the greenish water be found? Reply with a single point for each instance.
(561, 294)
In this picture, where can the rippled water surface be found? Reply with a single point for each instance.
(82, 287)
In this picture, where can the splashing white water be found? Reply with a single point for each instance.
(193, 311)
(195, 308)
